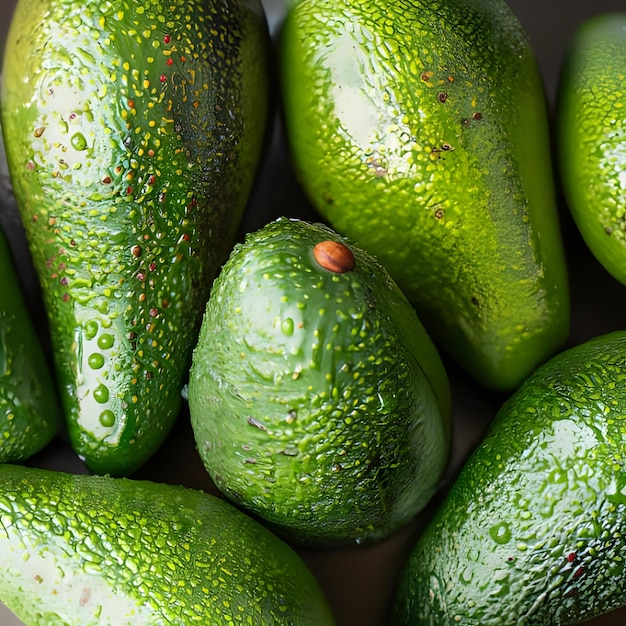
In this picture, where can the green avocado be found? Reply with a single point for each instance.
(317, 400)
(531, 532)
(30, 411)
(133, 131)
(101, 551)
(591, 125)
(418, 129)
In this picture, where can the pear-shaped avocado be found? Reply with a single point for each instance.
(100, 551)
(30, 411)
(532, 530)
(317, 400)
(418, 129)
(132, 133)
(591, 123)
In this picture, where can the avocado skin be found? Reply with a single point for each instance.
(30, 411)
(531, 531)
(317, 400)
(132, 134)
(418, 129)
(591, 124)
(180, 556)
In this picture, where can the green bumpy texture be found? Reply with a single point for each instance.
(132, 130)
(30, 411)
(317, 400)
(591, 116)
(532, 532)
(418, 129)
(94, 550)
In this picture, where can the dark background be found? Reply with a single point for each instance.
(358, 582)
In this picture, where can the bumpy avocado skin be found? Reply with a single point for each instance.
(30, 411)
(132, 133)
(318, 402)
(591, 116)
(95, 550)
(418, 129)
(532, 531)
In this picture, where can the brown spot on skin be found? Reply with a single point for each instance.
(442, 96)
(478, 115)
(85, 595)
(334, 256)
(439, 213)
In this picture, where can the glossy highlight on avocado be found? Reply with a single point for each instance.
(94, 550)
(317, 400)
(531, 532)
(591, 117)
(418, 129)
(132, 130)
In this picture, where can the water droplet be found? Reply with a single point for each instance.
(78, 141)
(101, 394)
(105, 341)
(96, 361)
(287, 327)
(107, 418)
(500, 533)
(91, 329)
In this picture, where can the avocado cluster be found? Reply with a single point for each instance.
(315, 361)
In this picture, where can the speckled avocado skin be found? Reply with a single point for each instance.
(30, 411)
(318, 402)
(132, 132)
(94, 550)
(532, 531)
(591, 117)
(418, 129)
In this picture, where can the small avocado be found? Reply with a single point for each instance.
(419, 130)
(591, 125)
(101, 551)
(317, 400)
(531, 532)
(30, 410)
(133, 132)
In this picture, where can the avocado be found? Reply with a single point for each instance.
(317, 400)
(30, 411)
(94, 550)
(531, 532)
(133, 133)
(591, 127)
(419, 130)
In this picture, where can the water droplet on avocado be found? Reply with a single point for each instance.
(101, 394)
(96, 361)
(91, 329)
(287, 327)
(107, 418)
(78, 141)
(500, 533)
(105, 341)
